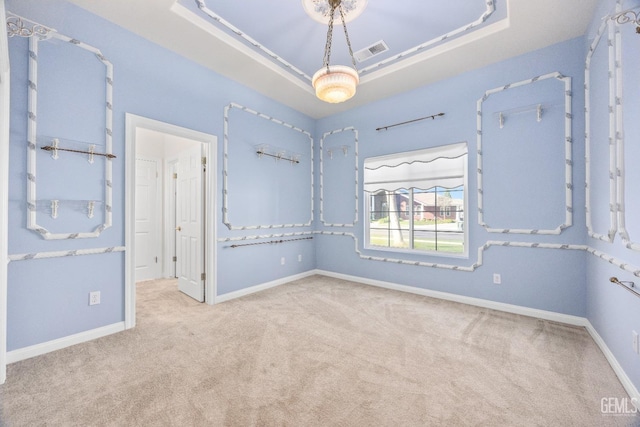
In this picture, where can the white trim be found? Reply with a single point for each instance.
(620, 138)
(60, 254)
(32, 139)
(225, 169)
(613, 218)
(263, 287)
(168, 220)
(210, 152)
(568, 142)
(60, 343)
(4, 190)
(499, 306)
(615, 365)
(357, 186)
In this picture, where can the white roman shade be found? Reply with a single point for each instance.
(443, 166)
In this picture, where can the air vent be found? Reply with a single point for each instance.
(371, 51)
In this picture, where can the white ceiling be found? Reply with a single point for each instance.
(499, 29)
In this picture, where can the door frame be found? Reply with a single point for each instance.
(4, 191)
(210, 148)
(158, 207)
(169, 218)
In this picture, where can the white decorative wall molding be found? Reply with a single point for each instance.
(35, 35)
(357, 187)
(61, 254)
(621, 18)
(265, 236)
(613, 215)
(489, 10)
(17, 26)
(225, 169)
(568, 138)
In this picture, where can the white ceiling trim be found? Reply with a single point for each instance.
(530, 25)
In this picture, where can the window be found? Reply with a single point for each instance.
(415, 201)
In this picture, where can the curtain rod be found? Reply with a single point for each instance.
(433, 117)
(630, 286)
(270, 242)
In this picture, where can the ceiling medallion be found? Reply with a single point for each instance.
(320, 10)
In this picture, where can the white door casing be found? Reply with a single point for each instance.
(4, 191)
(147, 217)
(171, 170)
(189, 248)
(210, 145)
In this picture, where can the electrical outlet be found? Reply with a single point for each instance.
(282, 261)
(636, 343)
(299, 258)
(94, 298)
(497, 279)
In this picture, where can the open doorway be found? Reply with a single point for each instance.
(170, 209)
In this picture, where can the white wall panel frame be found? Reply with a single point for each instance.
(620, 136)
(608, 236)
(357, 187)
(32, 133)
(225, 170)
(568, 144)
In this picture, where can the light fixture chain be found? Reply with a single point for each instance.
(346, 35)
(327, 48)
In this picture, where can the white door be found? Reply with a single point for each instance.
(147, 219)
(189, 229)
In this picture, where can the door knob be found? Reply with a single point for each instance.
(178, 228)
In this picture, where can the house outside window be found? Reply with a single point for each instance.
(415, 201)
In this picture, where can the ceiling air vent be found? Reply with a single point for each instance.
(371, 51)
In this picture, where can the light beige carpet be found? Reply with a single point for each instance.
(318, 351)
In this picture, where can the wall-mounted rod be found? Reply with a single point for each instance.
(53, 148)
(433, 117)
(277, 156)
(630, 286)
(271, 242)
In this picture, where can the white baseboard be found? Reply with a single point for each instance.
(499, 306)
(615, 365)
(264, 286)
(60, 343)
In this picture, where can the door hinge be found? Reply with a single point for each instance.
(175, 258)
(204, 161)
(175, 176)
(203, 276)
(156, 260)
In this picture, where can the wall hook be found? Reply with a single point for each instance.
(92, 149)
(539, 113)
(54, 209)
(54, 150)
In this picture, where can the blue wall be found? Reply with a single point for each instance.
(523, 187)
(48, 299)
(613, 311)
(536, 278)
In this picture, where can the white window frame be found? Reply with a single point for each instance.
(367, 215)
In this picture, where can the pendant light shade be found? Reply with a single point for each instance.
(336, 83)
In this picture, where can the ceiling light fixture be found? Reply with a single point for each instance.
(336, 83)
